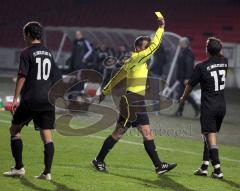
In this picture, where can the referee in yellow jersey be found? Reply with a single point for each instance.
(136, 71)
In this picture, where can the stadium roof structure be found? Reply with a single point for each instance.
(115, 37)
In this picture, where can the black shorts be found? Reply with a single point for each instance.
(41, 119)
(211, 121)
(133, 111)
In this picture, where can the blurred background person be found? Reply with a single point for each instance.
(110, 67)
(81, 52)
(101, 53)
(158, 62)
(185, 65)
(123, 52)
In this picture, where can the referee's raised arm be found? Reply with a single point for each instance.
(144, 55)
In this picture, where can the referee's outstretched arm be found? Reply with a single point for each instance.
(140, 57)
(144, 55)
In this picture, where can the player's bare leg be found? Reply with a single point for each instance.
(214, 155)
(16, 147)
(108, 144)
(149, 145)
(46, 136)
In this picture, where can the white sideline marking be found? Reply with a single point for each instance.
(160, 148)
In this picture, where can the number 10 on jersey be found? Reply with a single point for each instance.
(44, 68)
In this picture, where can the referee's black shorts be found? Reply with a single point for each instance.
(133, 110)
(41, 119)
(211, 121)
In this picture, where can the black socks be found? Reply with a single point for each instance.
(205, 152)
(106, 147)
(205, 156)
(215, 158)
(214, 154)
(17, 147)
(150, 148)
(48, 157)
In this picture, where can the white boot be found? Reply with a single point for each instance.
(15, 173)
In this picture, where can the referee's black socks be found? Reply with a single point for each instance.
(48, 157)
(150, 148)
(106, 147)
(17, 147)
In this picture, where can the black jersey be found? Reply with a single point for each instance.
(211, 74)
(39, 69)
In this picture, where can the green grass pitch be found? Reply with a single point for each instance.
(128, 164)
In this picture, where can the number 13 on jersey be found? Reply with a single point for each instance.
(215, 75)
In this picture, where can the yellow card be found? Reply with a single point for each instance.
(159, 15)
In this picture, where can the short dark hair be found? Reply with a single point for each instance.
(139, 40)
(34, 29)
(214, 46)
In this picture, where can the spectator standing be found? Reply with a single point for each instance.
(81, 52)
(185, 65)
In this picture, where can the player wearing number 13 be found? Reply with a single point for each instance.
(211, 75)
(37, 73)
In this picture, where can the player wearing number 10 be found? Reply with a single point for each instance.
(37, 73)
(211, 75)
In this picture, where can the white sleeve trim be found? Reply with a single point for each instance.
(89, 52)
